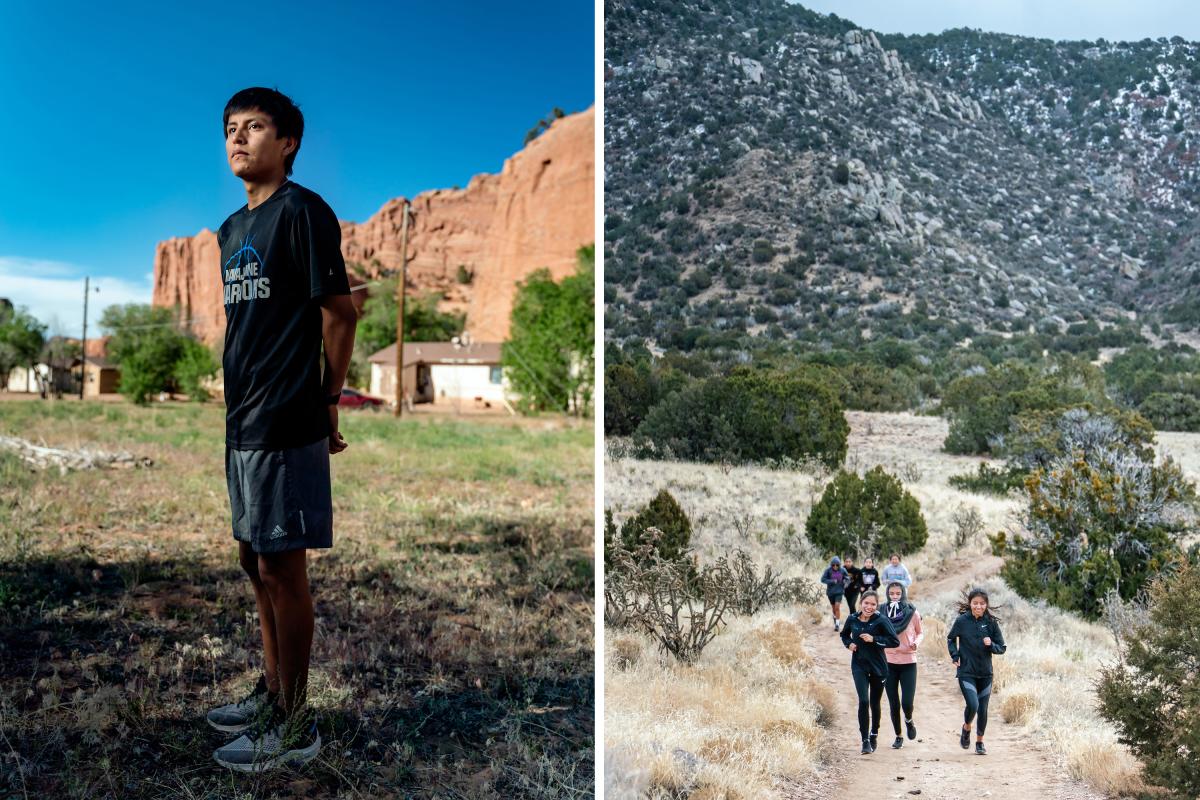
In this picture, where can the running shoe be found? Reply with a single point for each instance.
(965, 739)
(874, 739)
(237, 717)
(912, 729)
(272, 742)
(896, 745)
(837, 626)
(867, 749)
(979, 749)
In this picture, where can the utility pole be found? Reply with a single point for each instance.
(83, 345)
(400, 287)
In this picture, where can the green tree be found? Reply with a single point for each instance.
(21, 340)
(1172, 411)
(981, 407)
(377, 325)
(549, 356)
(876, 388)
(869, 516)
(424, 323)
(748, 415)
(664, 513)
(195, 365)
(1152, 694)
(148, 346)
(628, 396)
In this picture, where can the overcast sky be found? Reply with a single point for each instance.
(1115, 20)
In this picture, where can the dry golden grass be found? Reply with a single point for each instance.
(1106, 766)
(734, 724)
(934, 643)
(1018, 708)
(625, 652)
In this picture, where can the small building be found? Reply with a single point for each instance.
(100, 376)
(43, 379)
(27, 378)
(441, 372)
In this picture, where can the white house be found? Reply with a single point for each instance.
(28, 379)
(442, 372)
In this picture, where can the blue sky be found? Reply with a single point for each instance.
(1115, 20)
(112, 139)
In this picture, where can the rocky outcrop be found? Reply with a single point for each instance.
(536, 212)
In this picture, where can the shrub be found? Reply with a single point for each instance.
(1150, 694)
(664, 514)
(968, 524)
(990, 480)
(762, 252)
(981, 407)
(1105, 522)
(868, 515)
(1172, 411)
(841, 173)
(876, 388)
(753, 591)
(629, 393)
(1038, 438)
(747, 415)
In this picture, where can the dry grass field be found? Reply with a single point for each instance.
(662, 720)
(453, 654)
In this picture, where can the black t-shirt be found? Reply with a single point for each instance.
(277, 261)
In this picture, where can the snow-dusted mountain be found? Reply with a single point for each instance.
(773, 171)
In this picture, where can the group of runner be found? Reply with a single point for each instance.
(883, 642)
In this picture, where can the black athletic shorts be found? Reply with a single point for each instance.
(280, 499)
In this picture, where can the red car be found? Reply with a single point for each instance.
(352, 398)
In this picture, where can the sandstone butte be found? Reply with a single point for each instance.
(535, 213)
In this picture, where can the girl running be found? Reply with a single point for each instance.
(834, 578)
(973, 639)
(897, 572)
(853, 587)
(868, 577)
(901, 683)
(866, 635)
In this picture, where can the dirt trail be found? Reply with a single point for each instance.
(933, 766)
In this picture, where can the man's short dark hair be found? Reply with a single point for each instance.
(278, 106)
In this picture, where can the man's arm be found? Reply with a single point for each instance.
(338, 322)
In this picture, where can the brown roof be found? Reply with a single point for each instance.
(440, 353)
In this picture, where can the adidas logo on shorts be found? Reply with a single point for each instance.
(278, 532)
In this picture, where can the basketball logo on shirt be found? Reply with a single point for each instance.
(244, 280)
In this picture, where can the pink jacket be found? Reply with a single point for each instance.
(910, 639)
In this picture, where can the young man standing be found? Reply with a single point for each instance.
(286, 296)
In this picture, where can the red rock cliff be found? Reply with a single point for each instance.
(535, 213)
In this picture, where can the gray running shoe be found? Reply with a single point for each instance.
(272, 742)
(237, 717)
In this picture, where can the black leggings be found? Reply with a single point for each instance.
(901, 682)
(851, 600)
(863, 682)
(977, 692)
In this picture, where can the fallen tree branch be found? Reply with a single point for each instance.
(41, 457)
